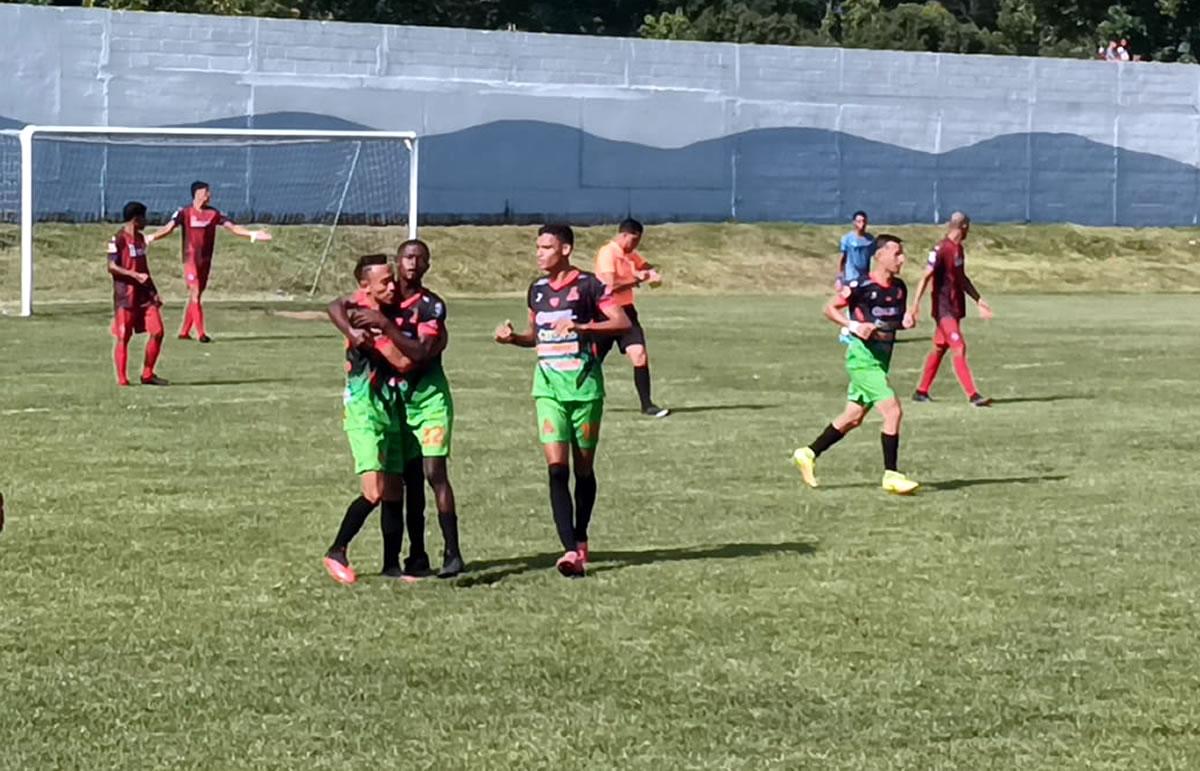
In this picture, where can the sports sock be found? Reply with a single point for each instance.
(121, 360)
(356, 513)
(153, 348)
(560, 504)
(891, 450)
(448, 522)
(828, 438)
(414, 491)
(186, 329)
(391, 525)
(963, 371)
(585, 501)
(641, 380)
(198, 319)
(932, 362)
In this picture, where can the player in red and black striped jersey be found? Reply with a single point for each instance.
(135, 299)
(200, 222)
(951, 286)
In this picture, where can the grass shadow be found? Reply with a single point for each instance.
(229, 382)
(1040, 399)
(959, 484)
(704, 408)
(488, 572)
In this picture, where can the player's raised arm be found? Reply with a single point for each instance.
(370, 318)
(164, 231)
(506, 335)
(241, 232)
(835, 311)
(338, 311)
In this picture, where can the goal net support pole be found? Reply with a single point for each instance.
(28, 134)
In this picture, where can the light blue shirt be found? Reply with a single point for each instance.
(858, 251)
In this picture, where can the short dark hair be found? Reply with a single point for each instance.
(368, 261)
(133, 209)
(198, 185)
(857, 214)
(883, 239)
(562, 232)
(630, 225)
(415, 242)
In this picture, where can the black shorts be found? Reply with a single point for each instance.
(635, 336)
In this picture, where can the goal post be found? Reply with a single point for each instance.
(273, 176)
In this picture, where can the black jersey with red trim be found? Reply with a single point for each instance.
(423, 315)
(880, 304)
(568, 367)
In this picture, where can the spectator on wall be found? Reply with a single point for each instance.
(1123, 50)
(1110, 54)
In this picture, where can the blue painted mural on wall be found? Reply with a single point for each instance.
(530, 171)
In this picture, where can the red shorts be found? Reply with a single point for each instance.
(948, 334)
(130, 321)
(195, 275)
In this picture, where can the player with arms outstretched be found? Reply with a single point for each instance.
(376, 356)
(200, 222)
(623, 269)
(135, 298)
(568, 310)
(876, 307)
(947, 272)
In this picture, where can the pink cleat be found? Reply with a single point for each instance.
(338, 567)
(570, 565)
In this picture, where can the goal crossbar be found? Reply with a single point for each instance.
(27, 135)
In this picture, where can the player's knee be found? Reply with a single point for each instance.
(559, 472)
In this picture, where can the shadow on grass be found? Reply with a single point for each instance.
(959, 484)
(229, 382)
(705, 408)
(488, 572)
(265, 338)
(1040, 399)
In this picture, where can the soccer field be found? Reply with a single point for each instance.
(162, 601)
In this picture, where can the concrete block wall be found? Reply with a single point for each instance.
(521, 127)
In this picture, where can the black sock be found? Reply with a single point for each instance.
(560, 503)
(358, 511)
(391, 523)
(641, 380)
(828, 438)
(414, 491)
(585, 501)
(891, 450)
(448, 522)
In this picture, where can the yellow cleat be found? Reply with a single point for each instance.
(806, 461)
(897, 484)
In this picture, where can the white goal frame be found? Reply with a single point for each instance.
(30, 132)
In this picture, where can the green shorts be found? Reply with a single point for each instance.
(868, 376)
(377, 431)
(430, 418)
(576, 423)
(378, 449)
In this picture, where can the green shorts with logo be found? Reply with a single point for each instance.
(376, 428)
(429, 413)
(868, 372)
(576, 423)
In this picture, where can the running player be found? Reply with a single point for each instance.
(135, 299)
(857, 248)
(374, 418)
(947, 271)
(568, 309)
(622, 269)
(199, 222)
(429, 411)
(876, 304)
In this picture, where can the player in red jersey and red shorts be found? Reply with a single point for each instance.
(200, 222)
(135, 299)
(947, 272)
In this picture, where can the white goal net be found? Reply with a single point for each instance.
(80, 175)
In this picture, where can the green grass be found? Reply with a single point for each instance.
(751, 259)
(162, 602)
